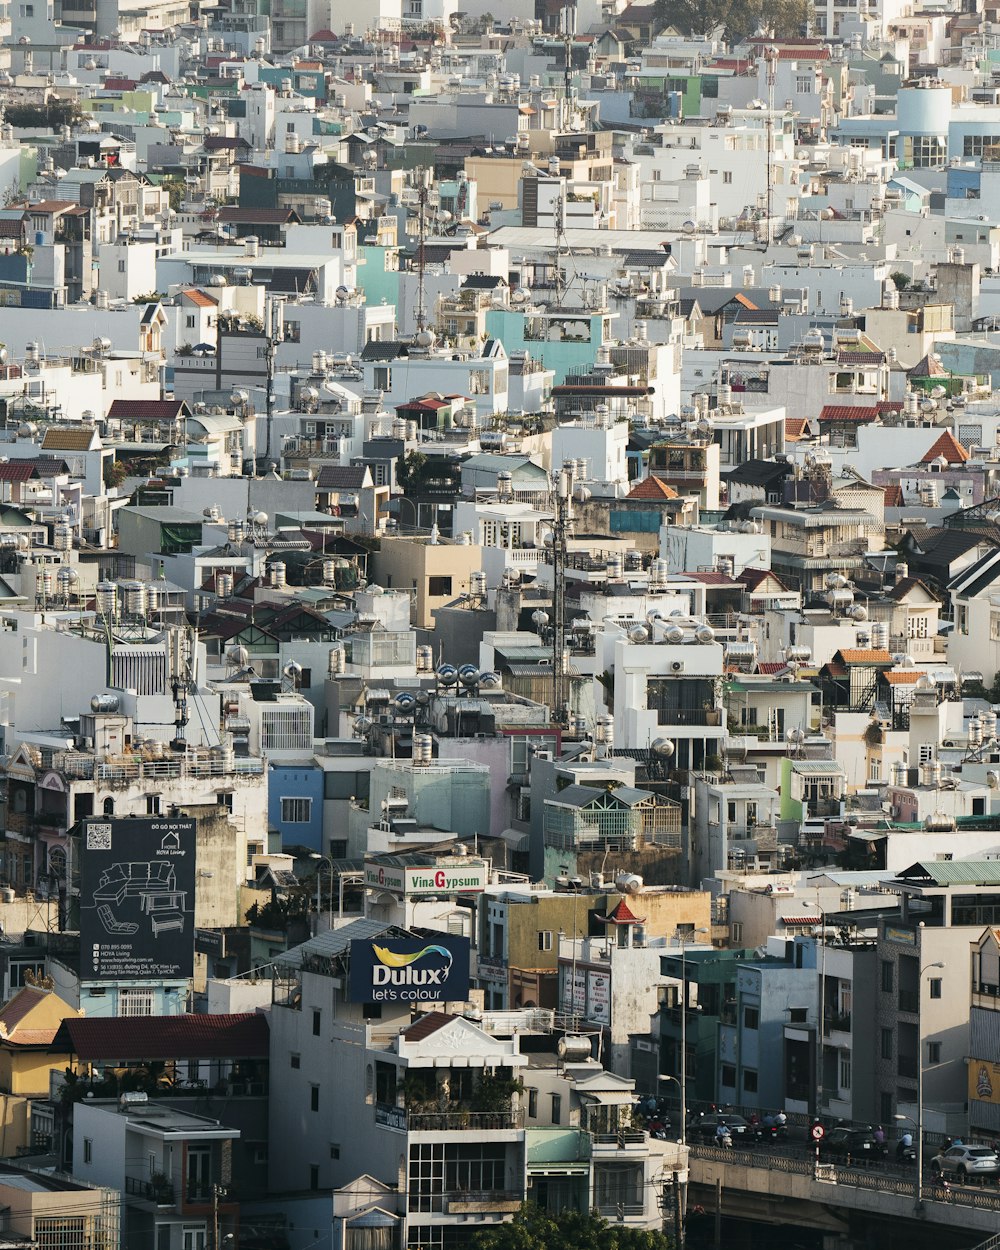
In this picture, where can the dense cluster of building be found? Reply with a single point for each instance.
(499, 605)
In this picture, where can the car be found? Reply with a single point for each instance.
(707, 1127)
(967, 1161)
(853, 1143)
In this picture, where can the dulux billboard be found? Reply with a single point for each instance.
(410, 970)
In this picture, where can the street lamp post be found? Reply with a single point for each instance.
(319, 901)
(920, 1087)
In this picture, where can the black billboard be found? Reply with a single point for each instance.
(137, 879)
(410, 970)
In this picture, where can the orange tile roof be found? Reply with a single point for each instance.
(949, 447)
(868, 656)
(795, 428)
(905, 677)
(747, 303)
(199, 298)
(652, 488)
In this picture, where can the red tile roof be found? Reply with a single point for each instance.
(120, 1039)
(14, 1011)
(752, 578)
(623, 914)
(426, 1025)
(148, 409)
(712, 579)
(855, 655)
(904, 677)
(17, 470)
(949, 447)
(651, 488)
(894, 496)
(848, 412)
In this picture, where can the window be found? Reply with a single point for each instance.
(296, 1061)
(804, 84)
(317, 1020)
(382, 378)
(88, 1149)
(313, 1097)
(532, 1104)
(797, 1015)
(886, 1043)
(727, 1076)
(314, 1176)
(152, 805)
(121, 266)
(933, 1052)
(439, 586)
(296, 811)
(935, 987)
(885, 1106)
(727, 176)
(751, 1018)
(844, 1070)
(189, 321)
(749, 1080)
(334, 1151)
(544, 939)
(887, 976)
(556, 1108)
(737, 932)
(135, 1003)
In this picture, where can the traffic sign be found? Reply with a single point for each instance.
(818, 1132)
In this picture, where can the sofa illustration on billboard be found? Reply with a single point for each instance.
(153, 884)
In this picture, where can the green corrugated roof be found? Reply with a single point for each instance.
(955, 871)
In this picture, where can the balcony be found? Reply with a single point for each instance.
(687, 716)
(624, 1139)
(909, 1001)
(476, 1202)
(150, 1189)
(836, 1022)
(906, 1065)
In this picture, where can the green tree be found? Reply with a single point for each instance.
(535, 1229)
(412, 471)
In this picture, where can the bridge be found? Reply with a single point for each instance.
(775, 1187)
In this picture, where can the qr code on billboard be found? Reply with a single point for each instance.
(98, 837)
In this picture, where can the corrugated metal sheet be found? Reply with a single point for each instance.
(984, 1034)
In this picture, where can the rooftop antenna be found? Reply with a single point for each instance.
(770, 62)
(421, 251)
(567, 18)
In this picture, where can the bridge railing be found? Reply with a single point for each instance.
(857, 1178)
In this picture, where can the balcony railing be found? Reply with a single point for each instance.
(447, 1121)
(160, 1192)
(620, 1210)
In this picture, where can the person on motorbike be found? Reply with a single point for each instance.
(904, 1148)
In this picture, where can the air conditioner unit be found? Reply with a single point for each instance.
(677, 666)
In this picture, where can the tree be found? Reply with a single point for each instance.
(535, 1229)
(738, 19)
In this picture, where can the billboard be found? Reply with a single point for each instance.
(137, 879)
(470, 878)
(410, 970)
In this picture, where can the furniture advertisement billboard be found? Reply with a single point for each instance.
(137, 879)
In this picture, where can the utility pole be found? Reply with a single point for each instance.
(274, 333)
(560, 530)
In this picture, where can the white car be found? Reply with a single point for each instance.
(967, 1161)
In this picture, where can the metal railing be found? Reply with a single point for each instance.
(160, 1192)
(447, 1121)
(870, 1178)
